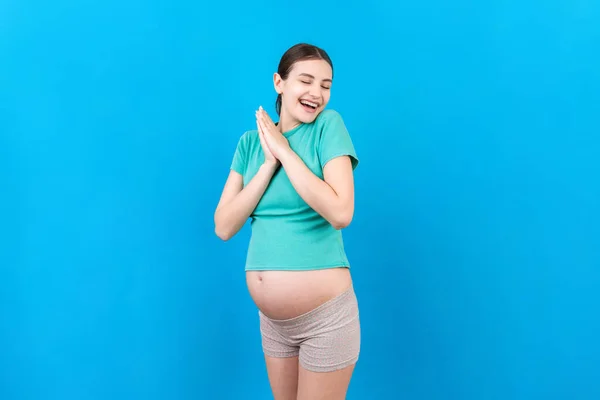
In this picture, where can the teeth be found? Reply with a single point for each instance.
(309, 103)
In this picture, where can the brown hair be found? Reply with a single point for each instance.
(298, 52)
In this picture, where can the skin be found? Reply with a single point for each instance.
(286, 294)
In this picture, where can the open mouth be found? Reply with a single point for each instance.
(309, 106)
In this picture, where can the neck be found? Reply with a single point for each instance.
(286, 123)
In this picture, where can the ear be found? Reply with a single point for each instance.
(278, 83)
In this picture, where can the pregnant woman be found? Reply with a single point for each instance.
(294, 179)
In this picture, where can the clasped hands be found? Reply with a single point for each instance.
(274, 144)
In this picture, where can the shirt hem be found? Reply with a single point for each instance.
(295, 268)
(353, 159)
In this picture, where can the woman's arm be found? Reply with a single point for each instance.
(237, 202)
(332, 197)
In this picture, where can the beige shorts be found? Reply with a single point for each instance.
(326, 338)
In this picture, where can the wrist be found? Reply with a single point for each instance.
(270, 165)
(286, 155)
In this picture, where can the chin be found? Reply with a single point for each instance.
(307, 117)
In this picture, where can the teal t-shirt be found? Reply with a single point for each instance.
(287, 234)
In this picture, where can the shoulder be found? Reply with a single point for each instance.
(330, 122)
(247, 138)
(328, 116)
(334, 138)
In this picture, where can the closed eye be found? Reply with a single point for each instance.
(309, 82)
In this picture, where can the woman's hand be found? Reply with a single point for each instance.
(276, 143)
(269, 157)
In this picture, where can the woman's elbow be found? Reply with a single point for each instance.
(223, 234)
(221, 229)
(342, 219)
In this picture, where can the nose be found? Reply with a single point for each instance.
(315, 91)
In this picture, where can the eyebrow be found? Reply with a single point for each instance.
(312, 77)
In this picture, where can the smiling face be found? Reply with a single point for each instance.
(305, 92)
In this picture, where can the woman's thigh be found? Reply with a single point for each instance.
(324, 385)
(283, 377)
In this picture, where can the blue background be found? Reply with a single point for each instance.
(476, 240)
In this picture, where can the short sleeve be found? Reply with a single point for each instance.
(238, 164)
(335, 140)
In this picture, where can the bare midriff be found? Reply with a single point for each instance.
(288, 294)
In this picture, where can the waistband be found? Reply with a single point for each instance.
(322, 311)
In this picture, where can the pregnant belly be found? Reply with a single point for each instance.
(288, 294)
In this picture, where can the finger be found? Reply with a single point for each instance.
(266, 117)
(258, 121)
(268, 121)
(267, 124)
(258, 127)
(262, 131)
(262, 140)
(260, 115)
(263, 126)
(273, 126)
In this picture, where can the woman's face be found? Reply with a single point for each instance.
(306, 91)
